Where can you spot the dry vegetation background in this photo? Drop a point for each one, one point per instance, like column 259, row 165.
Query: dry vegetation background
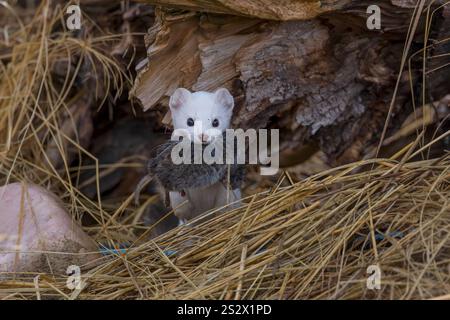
column 81, row 110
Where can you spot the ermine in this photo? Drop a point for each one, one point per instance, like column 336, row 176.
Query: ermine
column 213, row 111
column 196, row 188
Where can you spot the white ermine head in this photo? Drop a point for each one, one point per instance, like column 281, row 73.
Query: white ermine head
column 203, row 115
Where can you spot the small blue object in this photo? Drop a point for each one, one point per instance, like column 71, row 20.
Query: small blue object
column 381, row 237
column 395, row 234
column 170, row 252
column 122, row 250
column 106, row 251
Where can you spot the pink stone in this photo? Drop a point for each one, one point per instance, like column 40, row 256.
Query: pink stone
column 33, row 220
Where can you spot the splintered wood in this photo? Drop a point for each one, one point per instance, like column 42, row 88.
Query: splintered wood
column 263, row 9
column 327, row 81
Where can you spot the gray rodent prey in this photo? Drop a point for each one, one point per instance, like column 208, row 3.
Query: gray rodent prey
column 179, row 177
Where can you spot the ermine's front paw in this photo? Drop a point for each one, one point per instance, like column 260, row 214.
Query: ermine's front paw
column 182, row 222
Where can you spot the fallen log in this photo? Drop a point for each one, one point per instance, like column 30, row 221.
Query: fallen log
column 263, row 9
column 326, row 81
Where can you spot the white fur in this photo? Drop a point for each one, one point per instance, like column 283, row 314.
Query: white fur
column 203, row 108
column 199, row 200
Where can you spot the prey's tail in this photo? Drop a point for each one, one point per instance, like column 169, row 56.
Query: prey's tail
column 142, row 183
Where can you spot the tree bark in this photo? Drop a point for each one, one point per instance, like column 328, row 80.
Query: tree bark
column 326, row 81
column 263, row 9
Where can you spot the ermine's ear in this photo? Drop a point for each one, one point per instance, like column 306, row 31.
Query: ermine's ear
column 224, row 98
column 179, row 98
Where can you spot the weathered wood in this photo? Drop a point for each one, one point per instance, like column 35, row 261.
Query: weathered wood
column 325, row 81
column 263, row 9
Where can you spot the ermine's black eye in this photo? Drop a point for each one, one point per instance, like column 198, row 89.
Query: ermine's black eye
column 215, row 123
column 190, row 122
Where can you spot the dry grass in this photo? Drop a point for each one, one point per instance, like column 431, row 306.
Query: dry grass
column 310, row 240
column 314, row 239
column 35, row 103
